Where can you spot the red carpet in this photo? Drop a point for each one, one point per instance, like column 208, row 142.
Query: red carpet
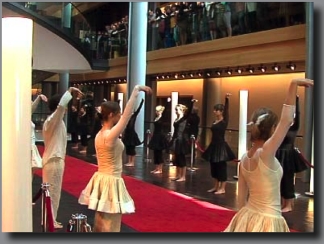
column 157, row 209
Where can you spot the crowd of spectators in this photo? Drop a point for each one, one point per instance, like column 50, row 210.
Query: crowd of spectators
column 181, row 23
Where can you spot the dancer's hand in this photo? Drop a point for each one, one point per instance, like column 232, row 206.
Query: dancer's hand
column 228, row 95
column 77, row 90
column 145, row 89
column 43, row 97
column 303, row 82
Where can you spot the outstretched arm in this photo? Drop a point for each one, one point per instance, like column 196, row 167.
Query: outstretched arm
column 226, row 106
column 58, row 114
column 120, row 126
column 37, row 100
column 139, row 107
column 287, row 115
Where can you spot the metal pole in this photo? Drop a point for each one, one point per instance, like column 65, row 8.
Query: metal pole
column 44, row 187
column 169, row 160
column 148, row 137
column 192, row 140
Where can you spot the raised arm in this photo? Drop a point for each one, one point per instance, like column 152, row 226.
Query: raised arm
column 226, row 106
column 295, row 125
column 139, row 107
column 287, row 115
column 36, row 102
column 57, row 116
column 121, row 124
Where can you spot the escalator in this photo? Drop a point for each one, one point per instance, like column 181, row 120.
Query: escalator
column 65, row 21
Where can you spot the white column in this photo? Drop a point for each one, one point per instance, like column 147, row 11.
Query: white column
column 136, row 68
column 311, row 184
column 120, row 98
column 242, row 125
column 174, row 102
column 311, row 181
column 16, row 128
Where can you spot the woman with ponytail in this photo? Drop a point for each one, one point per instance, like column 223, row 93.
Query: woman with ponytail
column 260, row 171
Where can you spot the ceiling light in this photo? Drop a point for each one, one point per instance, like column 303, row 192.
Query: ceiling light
column 250, row 69
column 291, row 66
column 276, row 67
column 239, row 70
column 262, row 68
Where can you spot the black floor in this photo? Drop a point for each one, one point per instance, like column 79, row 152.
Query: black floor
column 196, row 185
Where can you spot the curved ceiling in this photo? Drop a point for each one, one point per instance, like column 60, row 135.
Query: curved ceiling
column 52, row 53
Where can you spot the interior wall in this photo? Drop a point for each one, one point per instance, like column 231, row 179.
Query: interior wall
column 264, row 91
column 184, row 87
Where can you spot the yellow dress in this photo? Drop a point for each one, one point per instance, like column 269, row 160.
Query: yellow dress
column 106, row 191
column 262, row 212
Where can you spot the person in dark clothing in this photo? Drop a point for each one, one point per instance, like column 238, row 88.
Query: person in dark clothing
column 96, row 128
column 159, row 141
column 218, row 152
column 193, row 125
column 291, row 162
column 181, row 140
column 130, row 137
column 83, row 129
column 73, row 119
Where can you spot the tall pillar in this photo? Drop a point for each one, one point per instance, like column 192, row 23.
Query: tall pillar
column 66, row 15
column 63, row 86
column 309, row 92
column 16, row 129
column 136, row 68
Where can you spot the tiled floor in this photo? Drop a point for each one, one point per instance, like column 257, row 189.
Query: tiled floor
column 199, row 181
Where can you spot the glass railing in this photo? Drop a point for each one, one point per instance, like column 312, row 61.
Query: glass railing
column 67, row 17
column 183, row 24
column 180, row 24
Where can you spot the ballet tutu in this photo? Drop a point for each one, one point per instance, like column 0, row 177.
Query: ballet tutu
column 218, row 152
column 158, row 142
column 291, row 160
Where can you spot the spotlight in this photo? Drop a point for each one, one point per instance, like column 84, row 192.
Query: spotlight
column 276, row 67
column 125, row 80
column 291, row 66
column 239, row 70
column 262, row 68
column 250, row 69
column 157, row 77
column 107, row 81
column 218, row 72
column 167, row 76
column 191, row 75
column 208, row 74
column 229, row 71
column 199, row 74
column 176, row 76
column 183, row 75
column 162, row 76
